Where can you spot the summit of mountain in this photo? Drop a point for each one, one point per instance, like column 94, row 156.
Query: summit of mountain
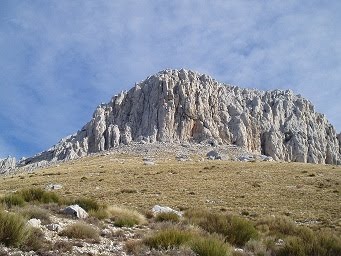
column 183, row 106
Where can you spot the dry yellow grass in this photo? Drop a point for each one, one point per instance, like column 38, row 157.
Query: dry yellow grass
column 305, row 192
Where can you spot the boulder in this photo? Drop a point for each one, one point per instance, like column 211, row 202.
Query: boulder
column 164, row 209
column 35, row 223
column 213, row 155
column 76, row 211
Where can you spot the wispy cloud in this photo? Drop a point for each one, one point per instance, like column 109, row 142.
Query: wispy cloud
column 59, row 59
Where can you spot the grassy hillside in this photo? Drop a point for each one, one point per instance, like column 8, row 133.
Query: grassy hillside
column 307, row 193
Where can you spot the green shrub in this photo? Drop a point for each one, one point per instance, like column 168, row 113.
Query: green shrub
column 328, row 244
column 13, row 200
column 208, row 246
column 240, row 231
column 87, row 204
column 38, row 195
column 236, row 230
column 81, row 231
column 168, row 238
column 123, row 217
column 167, row 216
column 37, row 213
column 293, row 246
column 12, row 229
column 279, row 225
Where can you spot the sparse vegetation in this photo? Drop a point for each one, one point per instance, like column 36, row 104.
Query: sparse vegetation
column 36, row 241
column 225, row 217
column 81, row 231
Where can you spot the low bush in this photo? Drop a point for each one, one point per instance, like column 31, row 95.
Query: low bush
column 168, row 238
column 12, row 229
column 240, row 231
column 208, row 246
column 123, row 217
column 38, row 195
column 13, row 200
column 236, row 230
column 167, row 216
column 81, row 231
column 278, row 225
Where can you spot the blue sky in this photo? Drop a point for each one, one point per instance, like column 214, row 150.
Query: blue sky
column 60, row 59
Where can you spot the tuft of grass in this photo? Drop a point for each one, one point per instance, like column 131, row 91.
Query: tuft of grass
column 12, row 229
column 13, row 200
column 100, row 214
column 208, row 246
column 123, row 217
column 87, row 204
column 37, row 213
column 81, row 231
column 168, row 238
column 167, row 216
column 38, row 195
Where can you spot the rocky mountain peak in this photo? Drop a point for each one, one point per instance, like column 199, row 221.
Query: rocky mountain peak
column 7, row 164
column 186, row 106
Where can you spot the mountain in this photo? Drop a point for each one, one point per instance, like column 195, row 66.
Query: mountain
column 185, row 106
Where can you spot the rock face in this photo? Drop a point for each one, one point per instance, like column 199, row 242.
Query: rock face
column 185, row 106
column 7, row 164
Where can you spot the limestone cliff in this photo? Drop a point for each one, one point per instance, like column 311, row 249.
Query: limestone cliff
column 185, row 106
column 7, row 164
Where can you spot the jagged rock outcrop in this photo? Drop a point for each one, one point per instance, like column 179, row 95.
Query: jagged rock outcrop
column 8, row 164
column 185, row 106
column 339, row 139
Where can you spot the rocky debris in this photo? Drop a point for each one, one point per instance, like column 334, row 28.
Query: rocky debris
column 53, row 186
column 187, row 107
column 7, row 165
column 213, row 155
column 164, row 209
column 53, row 227
column 35, row 223
column 182, row 158
column 76, row 211
column 247, row 158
